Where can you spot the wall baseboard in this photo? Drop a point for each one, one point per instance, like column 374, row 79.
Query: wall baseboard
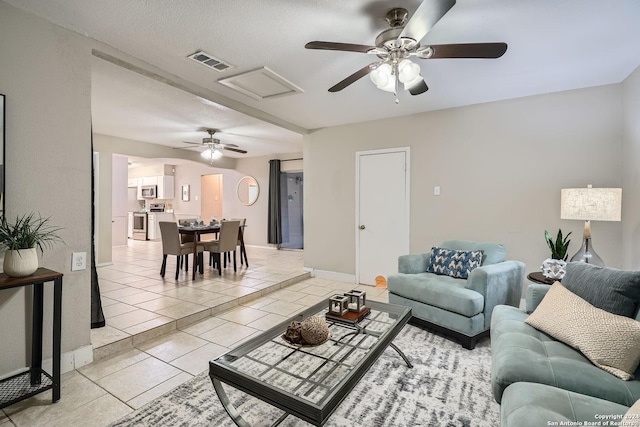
column 333, row 275
column 71, row 360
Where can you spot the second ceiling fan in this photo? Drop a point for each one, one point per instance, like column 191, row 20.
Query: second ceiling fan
column 214, row 146
column 395, row 45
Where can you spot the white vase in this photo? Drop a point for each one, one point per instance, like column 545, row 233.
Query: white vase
column 21, row 262
column 553, row 268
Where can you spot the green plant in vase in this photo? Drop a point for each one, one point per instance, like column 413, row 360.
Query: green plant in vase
column 554, row 267
column 22, row 239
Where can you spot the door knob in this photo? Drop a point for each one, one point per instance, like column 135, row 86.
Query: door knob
column 362, row 227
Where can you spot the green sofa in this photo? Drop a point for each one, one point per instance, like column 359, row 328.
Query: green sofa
column 458, row 307
column 521, row 353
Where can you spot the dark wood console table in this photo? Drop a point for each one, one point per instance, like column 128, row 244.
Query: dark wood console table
column 35, row 380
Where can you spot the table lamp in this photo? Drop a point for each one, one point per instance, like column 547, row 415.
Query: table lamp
column 590, row 204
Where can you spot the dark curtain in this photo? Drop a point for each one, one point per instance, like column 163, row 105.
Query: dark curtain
column 97, row 316
column 275, row 214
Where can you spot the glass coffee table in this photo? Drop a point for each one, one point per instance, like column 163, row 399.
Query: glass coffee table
column 304, row 381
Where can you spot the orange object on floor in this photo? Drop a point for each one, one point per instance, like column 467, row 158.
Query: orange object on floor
column 381, row 282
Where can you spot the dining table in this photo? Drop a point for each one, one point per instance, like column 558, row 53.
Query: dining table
column 197, row 230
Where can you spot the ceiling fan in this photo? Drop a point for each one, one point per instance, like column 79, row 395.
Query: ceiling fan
column 214, row 146
column 395, row 45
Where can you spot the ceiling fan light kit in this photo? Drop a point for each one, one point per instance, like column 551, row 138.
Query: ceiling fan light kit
column 395, row 45
column 214, row 147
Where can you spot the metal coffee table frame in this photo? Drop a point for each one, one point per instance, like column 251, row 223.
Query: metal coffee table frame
column 220, row 369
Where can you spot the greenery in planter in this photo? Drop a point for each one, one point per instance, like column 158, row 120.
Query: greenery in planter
column 28, row 232
column 560, row 246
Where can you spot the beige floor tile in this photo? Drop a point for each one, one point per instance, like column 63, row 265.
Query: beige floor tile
column 259, row 303
column 108, row 285
column 98, row 413
column 148, row 325
column 217, row 287
column 243, row 315
column 181, row 310
column 197, row 361
column 136, row 379
column 107, row 301
column 267, row 322
column 238, row 291
column 320, row 291
column 287, row 295
column 190, row 294
column 141, row 297
column 158, row 303
column 75, row 391
column 102, row 368
column 283, row 308
column 123, row 292
column 219, row 299
column 203, row 326
column 117, row 309
column 228, row 334
column 157, row 391
column 131, row 318
column 310, row 300
column 170, row 347
column 106, row 335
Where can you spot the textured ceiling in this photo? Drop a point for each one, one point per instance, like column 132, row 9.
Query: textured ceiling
column 554, row 45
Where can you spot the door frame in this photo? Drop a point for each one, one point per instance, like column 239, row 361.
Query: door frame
column 407, row 174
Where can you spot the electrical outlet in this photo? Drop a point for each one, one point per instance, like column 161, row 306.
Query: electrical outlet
column 436, row 190
column 78, row 261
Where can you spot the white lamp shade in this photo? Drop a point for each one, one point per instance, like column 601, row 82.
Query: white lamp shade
column 211, row 154
column 382, row 78
column 408, row 71
column 591, row 204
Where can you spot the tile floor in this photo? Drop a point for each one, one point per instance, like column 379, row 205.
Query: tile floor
column 110, row 388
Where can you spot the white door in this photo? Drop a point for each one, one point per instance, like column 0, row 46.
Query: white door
column 382, row 212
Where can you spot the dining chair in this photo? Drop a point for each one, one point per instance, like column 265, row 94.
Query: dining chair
column 227, row 242
column 243, row 251
column 171, row 245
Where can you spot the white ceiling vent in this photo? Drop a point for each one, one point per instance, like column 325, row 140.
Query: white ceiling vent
column 261, row 84
column 210, row 61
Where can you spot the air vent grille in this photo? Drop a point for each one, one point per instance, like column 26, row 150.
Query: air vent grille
column 210, row 61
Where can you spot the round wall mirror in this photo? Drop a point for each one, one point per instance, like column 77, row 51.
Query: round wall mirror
column 248, row 190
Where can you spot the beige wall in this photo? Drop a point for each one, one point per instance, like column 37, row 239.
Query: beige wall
column 45, row 73
column 500, row 167
column 631, row 168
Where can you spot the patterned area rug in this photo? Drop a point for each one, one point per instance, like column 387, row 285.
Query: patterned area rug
column 448, row 386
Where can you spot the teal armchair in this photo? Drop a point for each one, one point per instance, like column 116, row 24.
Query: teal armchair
column 460, row 308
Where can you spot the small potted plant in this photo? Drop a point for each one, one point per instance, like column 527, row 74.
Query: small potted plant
column 554, row 267
column 21, row 239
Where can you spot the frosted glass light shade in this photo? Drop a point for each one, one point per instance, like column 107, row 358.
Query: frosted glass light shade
column 211, row 154
column 408, row 71
column 591, row 204
column 383, row 78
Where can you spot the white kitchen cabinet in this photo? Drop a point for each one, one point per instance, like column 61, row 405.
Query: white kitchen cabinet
column 150, row 180
column 165, row 187
column 152, row 224
column 139, row 191
column 132, row 182
column 130, row 225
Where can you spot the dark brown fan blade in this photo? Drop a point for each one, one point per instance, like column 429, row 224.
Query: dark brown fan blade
column 226, row 144
column 419, row 88
column 237, row 150
column 425, row 17
column 352, row 78
column 469, row 50
column 346, row 47
column 193, row 144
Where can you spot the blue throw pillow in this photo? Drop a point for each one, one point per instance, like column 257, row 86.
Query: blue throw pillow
column 454, row 263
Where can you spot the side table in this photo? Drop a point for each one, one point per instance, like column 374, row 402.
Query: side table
column 538, row 277
column 35, row 380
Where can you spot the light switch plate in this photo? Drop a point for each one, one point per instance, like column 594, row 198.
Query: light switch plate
column 78, row 261
column 436, row 190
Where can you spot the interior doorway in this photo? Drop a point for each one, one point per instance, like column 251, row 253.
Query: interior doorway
column 211, row 203
column 291, row 199
column 382, row 212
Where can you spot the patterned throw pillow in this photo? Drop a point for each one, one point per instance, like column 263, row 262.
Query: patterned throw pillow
column 609, row 341
column 458, row 264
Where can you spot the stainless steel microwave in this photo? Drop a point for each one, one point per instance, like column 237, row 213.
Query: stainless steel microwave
column 149, row 191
